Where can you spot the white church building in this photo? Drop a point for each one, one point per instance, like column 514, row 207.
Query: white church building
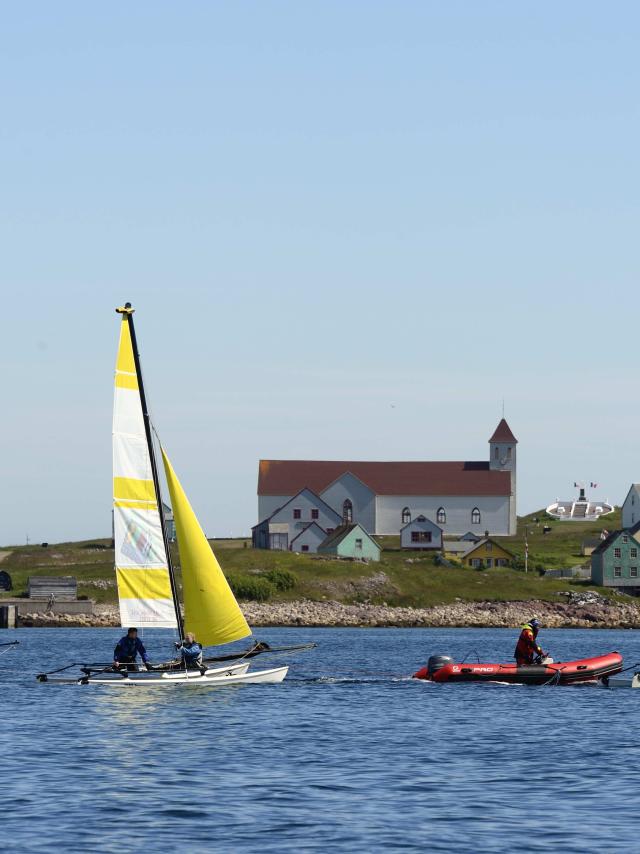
column 476, row 496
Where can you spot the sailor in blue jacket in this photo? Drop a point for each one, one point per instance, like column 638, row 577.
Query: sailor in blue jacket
column 190, row 650
column 128, row 647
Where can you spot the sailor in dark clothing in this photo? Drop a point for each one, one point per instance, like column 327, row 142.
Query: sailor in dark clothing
column 127, row 648
column 527, row 649
column 190, row 650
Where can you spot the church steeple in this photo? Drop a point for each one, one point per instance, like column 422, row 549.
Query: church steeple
column 502, row 449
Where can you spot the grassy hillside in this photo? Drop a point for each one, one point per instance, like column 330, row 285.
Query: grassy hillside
column 401, row 578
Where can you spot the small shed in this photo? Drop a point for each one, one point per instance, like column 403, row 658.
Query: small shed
column 471, row 537
column 59, row 588
column 455, row 548
column 587, row 547
column 350, row 541
column 308, row 540
column 421, row 533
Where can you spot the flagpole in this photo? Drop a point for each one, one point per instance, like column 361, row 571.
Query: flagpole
column 526, row 551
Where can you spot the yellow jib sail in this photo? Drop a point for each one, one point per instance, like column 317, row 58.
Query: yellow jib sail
column 211, row 611
column 144, row 588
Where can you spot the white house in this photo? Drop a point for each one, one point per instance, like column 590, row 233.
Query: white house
column 631, row 506
column 476, row 496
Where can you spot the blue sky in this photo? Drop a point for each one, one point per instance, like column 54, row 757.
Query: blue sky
column 350, row 231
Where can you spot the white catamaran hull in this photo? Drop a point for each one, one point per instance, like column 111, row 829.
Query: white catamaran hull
column 234, row 675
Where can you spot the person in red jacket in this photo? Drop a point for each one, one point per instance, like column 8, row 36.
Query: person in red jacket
column 527, row 648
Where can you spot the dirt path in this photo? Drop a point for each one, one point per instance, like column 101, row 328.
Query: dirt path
column 3, row 555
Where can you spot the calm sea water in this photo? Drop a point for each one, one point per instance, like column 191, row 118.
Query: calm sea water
column 346, row 755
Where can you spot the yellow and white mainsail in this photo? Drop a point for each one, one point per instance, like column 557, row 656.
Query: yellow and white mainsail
column 211, row 611
column 144, row 586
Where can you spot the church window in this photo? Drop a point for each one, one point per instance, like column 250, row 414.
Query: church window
column 347, row 512
column 406, row 516
column 495, row 453
column 475, row 516
column 441, row 517
column 508, row 453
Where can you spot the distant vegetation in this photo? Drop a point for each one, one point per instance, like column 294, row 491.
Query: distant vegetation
column 401, row 577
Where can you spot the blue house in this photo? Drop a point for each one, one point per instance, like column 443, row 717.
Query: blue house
column 421, row 533
column 284, row 526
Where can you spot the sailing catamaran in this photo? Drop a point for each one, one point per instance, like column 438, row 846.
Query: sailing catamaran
column 147, row 586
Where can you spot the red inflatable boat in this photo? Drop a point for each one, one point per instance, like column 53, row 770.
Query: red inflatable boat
column 442, row 668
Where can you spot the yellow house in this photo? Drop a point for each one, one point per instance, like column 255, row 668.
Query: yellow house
column 486, row 553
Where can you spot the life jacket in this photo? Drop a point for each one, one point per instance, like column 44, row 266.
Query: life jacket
column 526, row 646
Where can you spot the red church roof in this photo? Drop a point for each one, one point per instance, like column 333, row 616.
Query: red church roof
column 287, row 477
column 503, row 433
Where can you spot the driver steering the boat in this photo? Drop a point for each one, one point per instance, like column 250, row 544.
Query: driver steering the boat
column 190, row 650
column 527, row 649
column 127, row 648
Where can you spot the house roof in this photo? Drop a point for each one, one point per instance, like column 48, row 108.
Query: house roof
column 420, row 519
column 337, row 536
column 604, row 544
column 286, row 477
column 316, row 497
column 455, row 546
column 305, row 529
column 503, row 433
column 475, row 546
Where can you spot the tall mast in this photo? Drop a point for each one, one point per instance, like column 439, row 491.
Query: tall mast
column 128, row 312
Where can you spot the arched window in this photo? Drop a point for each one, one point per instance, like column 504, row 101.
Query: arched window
column 495, row 453
column 508, row 453
column 347, row 512
column 475, row 516
column 441, row 516
column 406, row 516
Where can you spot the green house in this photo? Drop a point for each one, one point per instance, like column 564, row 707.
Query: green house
column 350, row 541
column 615, row 562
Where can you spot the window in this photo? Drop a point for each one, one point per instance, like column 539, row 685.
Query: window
column 406, row 516
column 476, row 562
column 330, row 530
column 488, row 547
column 489, row 562
column 297, row 513
column 315, row 514
column 633, row 552
column 495, row 453
column 475, row 516
column 625, row 539
column 617, row 571
column 508, row 453
column 347, row 512
column 500, row 561
column 305, row 548
column 633, row 571
column 441, row 516
column 617, row 553
column 420, row 536
column 359, row 544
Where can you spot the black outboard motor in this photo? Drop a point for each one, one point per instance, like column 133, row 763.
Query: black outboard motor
column 435, row 662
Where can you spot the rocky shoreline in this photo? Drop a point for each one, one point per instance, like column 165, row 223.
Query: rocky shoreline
column 576, row 610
